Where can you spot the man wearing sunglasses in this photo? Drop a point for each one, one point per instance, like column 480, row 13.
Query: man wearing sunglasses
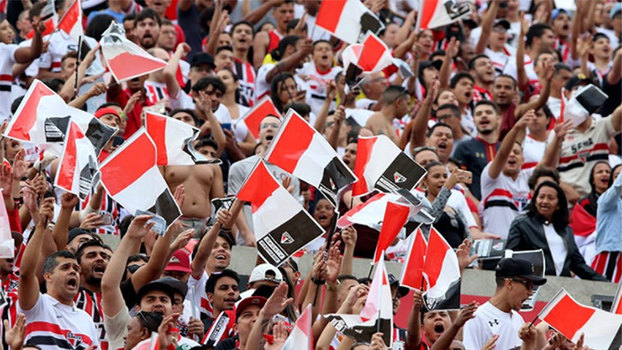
column 515, row 279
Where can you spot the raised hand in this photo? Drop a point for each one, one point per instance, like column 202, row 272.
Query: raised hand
column 562, row 129
column 349, row 236
column 377, row 343
column 277, row 302
column 20, row 167
column 180, row 195
column 14, row 337
column 6, row 179
column 333, row 263
column 279, row 336
column 463, row 253
column 526, row 119
column 466, row 313
column 182, row 239
column 139, row 227
column 92, row 221
column 69, row 200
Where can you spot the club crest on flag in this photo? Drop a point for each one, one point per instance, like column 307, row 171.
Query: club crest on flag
column 286, row 238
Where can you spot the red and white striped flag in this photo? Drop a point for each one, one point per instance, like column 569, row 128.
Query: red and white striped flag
column 253, row 117
column 71, row 22
column 368, row 213
column 395, row 217
column 616, row 306
column 381, row 165
column 303, row 152
column 572, row 319
column 125, row 59
column 412, row 272
column 281, row 225
column 173, row 140
column 78, row 163
column 438, row 13
column 301, row 337
column 131, row 177
column 375, row 55
column 442, row 274
column 348, row 20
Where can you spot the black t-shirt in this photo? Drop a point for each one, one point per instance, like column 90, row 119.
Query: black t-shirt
column 189, row 22
column 227, row 344
column 615, row 97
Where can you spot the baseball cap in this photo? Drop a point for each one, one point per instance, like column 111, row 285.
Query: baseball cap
column 249, row 301
column 401, row 291
column 617, row 8
column 556, row 12
column 177, row 285
column 512, row 267
column 265, row 272
column 426, row 64
column 202, row 58
column 504, row 23
column 180, row 261
column 159, row 285
column 579, row 79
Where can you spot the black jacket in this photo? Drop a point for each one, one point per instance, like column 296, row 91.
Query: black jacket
column 527, row 233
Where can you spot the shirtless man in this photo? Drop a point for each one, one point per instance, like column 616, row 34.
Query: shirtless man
column 395, row 105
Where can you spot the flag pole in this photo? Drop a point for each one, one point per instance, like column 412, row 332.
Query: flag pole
column 75, row 83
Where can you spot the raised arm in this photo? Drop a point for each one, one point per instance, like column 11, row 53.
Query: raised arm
column 413, row 335
column 420, row 124
column 277, row 302
column 112, row 299
column 553, row 149
column 405, row 45
column 521, row 73
column 496, row 167
column 488, row 21
column 290, row 62
column 203, row 106
column 27, row 54
column 614, row 75
column 450, row 53
column 542, row 98
column 207, row 243
column 170, row 71
column 68, row 201
column 259, row 13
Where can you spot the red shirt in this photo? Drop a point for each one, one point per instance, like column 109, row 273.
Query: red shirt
column 134, row 121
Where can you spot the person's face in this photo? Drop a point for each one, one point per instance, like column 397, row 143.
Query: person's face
column 344, row 288
column 158, row 6
column 423, row 158
column 464, row 91
column 539, row 123
column 616, row 22
column 157, row 301
column 546, row 41
column 178, row 304
column 560, row 78
column 401, row 106
column 199, row 71
column 561, row 25
column 514, row 162
column 147, row 32
column 544, row 60
column 227, row 77
column 283, row 14
column 130, row 30
column 208, row 151
column 286, row 89
column 426, row 40
column 93, row 264
column 167, row 38
column 503, row 91
column 137, row 84
column 135, row 333
column 77, row 242
column 434, row 324
column 484, row 70
column 601, row 48
column 447, row 97
column 7, row 35
column 601, row 173
column 498, row 37
column 224, row 39
column 375, row 85
column 430, row 75
column 267, row 130
column 24, row 24
column 220, row 257
column 12, row 147
column 178, row 275
column 64, row 280
column 110, row 120
column 467, row 52
column 485, row 119
column 68, row 66
column 435, row 179
column 390, row 34
column 226, row 293
column 442, row 138
column 246, row 320
column 6, row 266
column 184, row 117
column 323, row 55
column 349, row 157
column 547, row 202
column 215, row 96
column 224, row 59
column 520, row 290
column 448, row 117
column 324, row 212
column 242, row 37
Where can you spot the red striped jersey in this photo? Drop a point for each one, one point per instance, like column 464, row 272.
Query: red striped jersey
column 155, row 91
column 52, row 325
column 609, row 264
column 200, row 297
column 111, row 207
column 7, row 59
column 480, row 93
column 91, row 303
column 246, row 82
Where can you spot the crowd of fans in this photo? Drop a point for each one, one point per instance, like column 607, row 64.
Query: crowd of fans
column 483, row 113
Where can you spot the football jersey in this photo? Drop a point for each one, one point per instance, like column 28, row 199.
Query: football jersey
column 533, row 151
column 7, row 59
column 246, row 82
column 316, row 84
column 91, row 303
column 488, row 321
column 155, row 91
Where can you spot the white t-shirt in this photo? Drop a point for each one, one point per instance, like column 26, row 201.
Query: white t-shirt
column 262, row 87
column 533, row 151
column 52, row 325
column 502, row 58
column 557, row 247
column 200, row 297
column 503, row 199
column 316, row 84
column 488, row 321
column 510, row 69
column 239, row 129
column 7, row 59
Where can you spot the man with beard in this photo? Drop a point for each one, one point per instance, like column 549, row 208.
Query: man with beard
column 147, row 28
column 476, row 153
column 93, row 257
column 52, row 319
column 499, row 316
column 482, row 70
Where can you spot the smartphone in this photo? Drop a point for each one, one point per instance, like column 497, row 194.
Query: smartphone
column 226, row 126
column 106, row 218
column 468, row 176
column 117, row 141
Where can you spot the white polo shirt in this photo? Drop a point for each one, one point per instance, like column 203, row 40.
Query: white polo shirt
column 489, row 321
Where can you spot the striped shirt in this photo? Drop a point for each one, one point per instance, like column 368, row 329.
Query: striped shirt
column 246, row 82
column 91, row 303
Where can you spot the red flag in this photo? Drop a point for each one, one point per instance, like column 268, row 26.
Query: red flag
column 125, row 59
column 49, row 29
column 438, row 13
column 301, row 337
column 78, row 163
column 616, row 306
column 395, row 217
column 71, row 22
column 583, row 223
column 347, row 19
column 442, row 273
column 412, row 272
column 573, row 319
column 262, row 109
column 375, row 55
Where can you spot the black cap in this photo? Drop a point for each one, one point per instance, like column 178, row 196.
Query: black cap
column 202, row 58
column 75, row 232
column 579, row 79
column 504, row 23
column 512, row 267
column 426, row 64
column 159, row 285
column 177, row 285
column 401, row 291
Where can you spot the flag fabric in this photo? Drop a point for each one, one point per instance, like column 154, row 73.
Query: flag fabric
column 301, row 337
column 567, row 316
column 131, row 177
column 173, row 140
column 78, row 163
column 412, row 272
column 281, row 225
column 222, row 327
column 253, row 117
column 348, row 20
column 303, row 152
column 49, row 17
column 125, row 59
column 43, row 117
column 438, row 13
column 7, row 244
column 616, row 306
column 377, row 314
column 375, row 55
column 381, row 165
column 71, row 22
column 395, row 217
column 442, row 274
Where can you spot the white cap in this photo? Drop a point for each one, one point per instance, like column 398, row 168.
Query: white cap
column 265, row 272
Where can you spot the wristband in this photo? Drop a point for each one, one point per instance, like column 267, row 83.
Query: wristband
column 317, row 282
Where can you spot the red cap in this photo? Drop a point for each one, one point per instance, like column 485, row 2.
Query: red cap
column 180, row 261
column 106, row 110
